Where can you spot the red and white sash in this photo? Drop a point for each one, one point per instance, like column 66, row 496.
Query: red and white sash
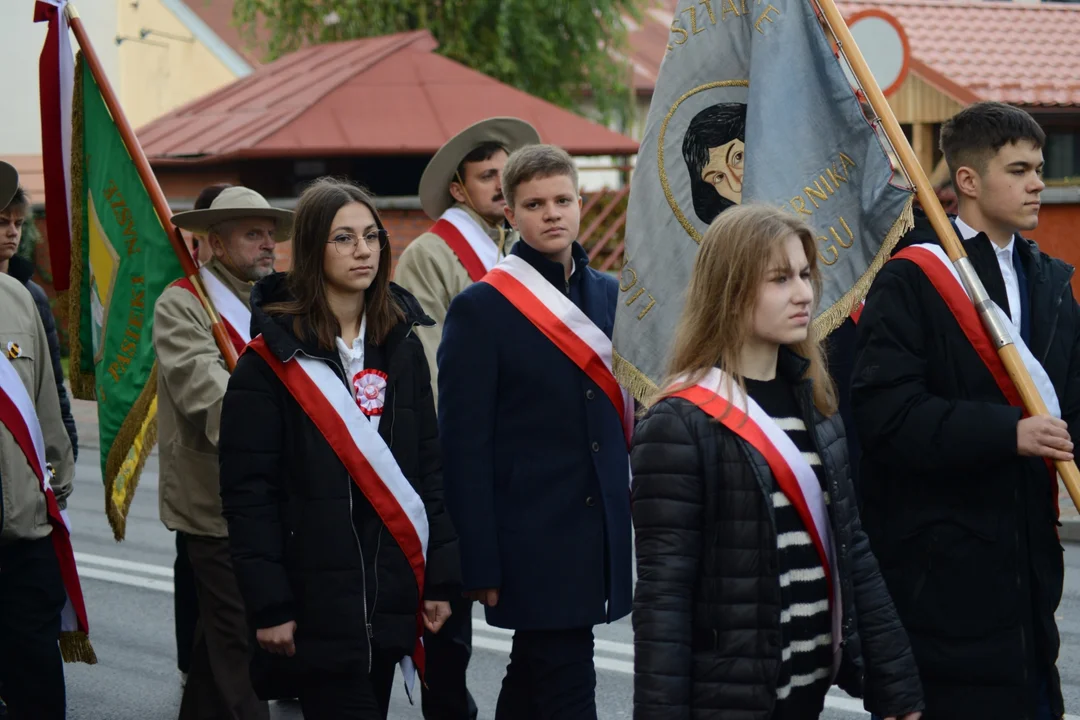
column 476, row 251
column 332, row 407
column 234, row 314
column 721, row 398
column 933, row 261
column 19, row 415
column 564, row 324
column 937, row 267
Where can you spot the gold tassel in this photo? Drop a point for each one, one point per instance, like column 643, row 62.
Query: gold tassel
column 75, row 647
column 121, row 446
column 82, row 383
column 637, row 382
column 835, row 316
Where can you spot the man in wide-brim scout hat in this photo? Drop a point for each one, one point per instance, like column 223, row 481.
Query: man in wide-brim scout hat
column 242, row 230
column 461, row 190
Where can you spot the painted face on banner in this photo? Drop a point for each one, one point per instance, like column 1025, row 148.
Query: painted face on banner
column 725, row 170
column 714, row 150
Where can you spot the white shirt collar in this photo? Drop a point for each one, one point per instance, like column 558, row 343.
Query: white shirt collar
column 967, row 232
column 356, row 352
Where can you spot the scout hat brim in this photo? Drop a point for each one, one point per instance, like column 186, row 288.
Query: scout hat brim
column 9, row 183
column 236, row 203
column 509, row 132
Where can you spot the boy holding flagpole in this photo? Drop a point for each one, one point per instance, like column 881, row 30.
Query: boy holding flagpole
column 960, row 497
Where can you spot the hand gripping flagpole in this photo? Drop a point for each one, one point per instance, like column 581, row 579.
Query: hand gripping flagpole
column 161, row 205
column 998, row 333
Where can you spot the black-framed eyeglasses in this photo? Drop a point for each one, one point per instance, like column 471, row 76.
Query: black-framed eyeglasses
column 346, row 242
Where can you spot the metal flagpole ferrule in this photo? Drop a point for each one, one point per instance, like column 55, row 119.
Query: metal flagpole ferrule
column 991, row 319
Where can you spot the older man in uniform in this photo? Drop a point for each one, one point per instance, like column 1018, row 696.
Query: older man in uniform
column 461, row 190
column 241, row 229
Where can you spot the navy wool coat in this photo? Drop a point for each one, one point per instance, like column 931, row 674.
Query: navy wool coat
column 535, row 471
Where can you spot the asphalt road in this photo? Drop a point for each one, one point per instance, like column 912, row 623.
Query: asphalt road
column 128, row 590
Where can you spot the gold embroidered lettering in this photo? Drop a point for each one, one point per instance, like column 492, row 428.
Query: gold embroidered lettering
column 708, row 8
column 694, row 29
column 676, row 29
column 799, row 205
column 835, row 255
column 765, row 16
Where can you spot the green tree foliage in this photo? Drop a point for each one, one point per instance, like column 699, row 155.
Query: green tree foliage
column 559, row 50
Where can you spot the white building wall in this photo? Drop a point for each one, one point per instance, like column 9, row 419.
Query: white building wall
column 21, row 40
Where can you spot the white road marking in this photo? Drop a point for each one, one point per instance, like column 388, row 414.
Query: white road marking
column 117, row 564
column 484, row 636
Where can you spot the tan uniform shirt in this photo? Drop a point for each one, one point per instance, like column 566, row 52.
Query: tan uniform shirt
column 430, row 270
column 192, row 378
column 24, row 515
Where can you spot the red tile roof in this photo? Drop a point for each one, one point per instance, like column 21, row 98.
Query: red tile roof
column 387, row 95
column 1016, row 52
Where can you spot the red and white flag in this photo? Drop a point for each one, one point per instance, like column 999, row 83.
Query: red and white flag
column 56, row 79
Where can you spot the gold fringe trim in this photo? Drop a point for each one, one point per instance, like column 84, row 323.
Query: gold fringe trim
column 75, row 647
column 834, row 317
column 82, row 383
column 143, row 413
column 637, row 382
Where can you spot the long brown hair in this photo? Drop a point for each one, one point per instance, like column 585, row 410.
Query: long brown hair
column 736, row 253
column 315, row 213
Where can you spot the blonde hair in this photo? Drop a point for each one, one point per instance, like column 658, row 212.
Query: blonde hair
column 736, row 252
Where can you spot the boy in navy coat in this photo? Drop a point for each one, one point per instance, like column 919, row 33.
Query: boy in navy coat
column 535, row 455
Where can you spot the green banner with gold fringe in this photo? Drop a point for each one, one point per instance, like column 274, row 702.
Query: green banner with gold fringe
column 121, row 261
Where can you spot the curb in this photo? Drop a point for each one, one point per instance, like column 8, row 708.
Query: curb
column 1069, row 532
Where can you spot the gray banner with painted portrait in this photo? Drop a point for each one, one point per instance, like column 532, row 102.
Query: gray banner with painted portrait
column 751, row 105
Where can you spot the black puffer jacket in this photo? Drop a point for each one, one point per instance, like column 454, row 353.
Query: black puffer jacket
column 707, row 603
column 304, row 545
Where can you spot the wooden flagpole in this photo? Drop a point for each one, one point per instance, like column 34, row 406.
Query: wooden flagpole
column 161, row 205
column 1010, row 356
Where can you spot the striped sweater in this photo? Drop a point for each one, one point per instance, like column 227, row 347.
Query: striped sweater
column 805, row 623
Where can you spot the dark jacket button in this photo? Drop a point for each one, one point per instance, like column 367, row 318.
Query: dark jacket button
column 589, row 394
column 596, row 447
column 590, row 501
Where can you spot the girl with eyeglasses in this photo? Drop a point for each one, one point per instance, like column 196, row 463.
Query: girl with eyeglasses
column 331, row 471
